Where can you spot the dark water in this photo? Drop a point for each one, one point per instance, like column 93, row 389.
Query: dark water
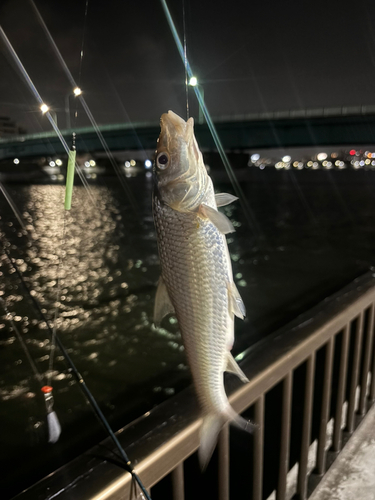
column 315, row 234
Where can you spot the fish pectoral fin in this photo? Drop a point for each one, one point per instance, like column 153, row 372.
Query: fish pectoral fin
column 223, row 199
column 218, row 219
column 163, row 304
column 236, row 305
column 233, row 367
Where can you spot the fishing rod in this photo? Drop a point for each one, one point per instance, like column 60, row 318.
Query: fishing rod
column 81, row 383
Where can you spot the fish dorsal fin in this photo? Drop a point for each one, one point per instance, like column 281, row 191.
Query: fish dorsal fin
column 218, row 219
column 223, row 199
column 236, row 305
column 163, row 304
column 233, row 367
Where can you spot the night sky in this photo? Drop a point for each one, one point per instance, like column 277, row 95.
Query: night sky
column 249, row 56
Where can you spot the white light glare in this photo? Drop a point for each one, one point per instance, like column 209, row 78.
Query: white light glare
column 132, row 163
column 58, row 162
column 322, row 156
column 148, row 164
column 44, row 108
column 193, row 81
column 52, row 164
column 16, row 161
column 255, row 157
column 92, row 163
column 77, row 91
column 127, row 164
column 87, row 164
column 286, row 158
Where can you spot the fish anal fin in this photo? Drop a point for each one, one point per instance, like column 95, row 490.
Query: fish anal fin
column 217, row 218
column 233, row 367
column 163, row 304
column 223, row 199
column 236, row 305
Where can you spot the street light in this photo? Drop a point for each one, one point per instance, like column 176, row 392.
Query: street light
column 44, row 108
column 193, row 82
column 76, row 92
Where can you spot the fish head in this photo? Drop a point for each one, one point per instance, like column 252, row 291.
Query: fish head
column 181, row 175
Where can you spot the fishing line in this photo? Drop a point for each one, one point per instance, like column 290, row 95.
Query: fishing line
column 83, row 42
column 185, row 60
column 94, row 124
column 249, row 215
column 81, row 383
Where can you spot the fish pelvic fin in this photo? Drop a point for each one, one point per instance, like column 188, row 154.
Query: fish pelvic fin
column 211, row 427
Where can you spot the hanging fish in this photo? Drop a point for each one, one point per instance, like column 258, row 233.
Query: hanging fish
column 196, row 281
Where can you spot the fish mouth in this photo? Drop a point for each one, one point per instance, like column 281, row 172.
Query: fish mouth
column 172, row 124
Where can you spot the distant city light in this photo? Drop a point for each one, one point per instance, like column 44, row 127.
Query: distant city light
column 16, row 161
column 92, row 163
column 77, row 91
column 87, row 164
column 261, row 166
column 58, row 162
column 132, row 163
column 352, row 152
column 44, row 108
column 127, row 164
column 255, row 157
column 193, row 81
column 52, row 164
column 322, row 156
column 148, row 164
column 286, row 158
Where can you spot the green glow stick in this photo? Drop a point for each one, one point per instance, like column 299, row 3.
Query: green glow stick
column 70, row 180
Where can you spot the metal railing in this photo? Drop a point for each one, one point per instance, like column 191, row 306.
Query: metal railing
column 301, row 378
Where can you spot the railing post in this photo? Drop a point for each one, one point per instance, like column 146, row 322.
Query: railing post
column 178, row 482
column 258, row 449
column 285, row 437
column 366, row 361
column 223, row 468
column 355, row 373
column 306, row 428
column 336, row 440
column 324, row 416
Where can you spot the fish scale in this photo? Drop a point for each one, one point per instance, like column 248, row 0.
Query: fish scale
column 194, row 268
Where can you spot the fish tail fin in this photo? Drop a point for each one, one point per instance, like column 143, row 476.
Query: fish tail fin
column 212, row 424
column 211, row 427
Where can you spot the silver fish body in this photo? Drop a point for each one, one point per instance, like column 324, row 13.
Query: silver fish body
column 196, row 280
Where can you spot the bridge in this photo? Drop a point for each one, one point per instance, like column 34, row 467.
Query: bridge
column 325, row 126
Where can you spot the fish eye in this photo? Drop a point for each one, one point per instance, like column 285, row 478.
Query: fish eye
column 162, row 160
